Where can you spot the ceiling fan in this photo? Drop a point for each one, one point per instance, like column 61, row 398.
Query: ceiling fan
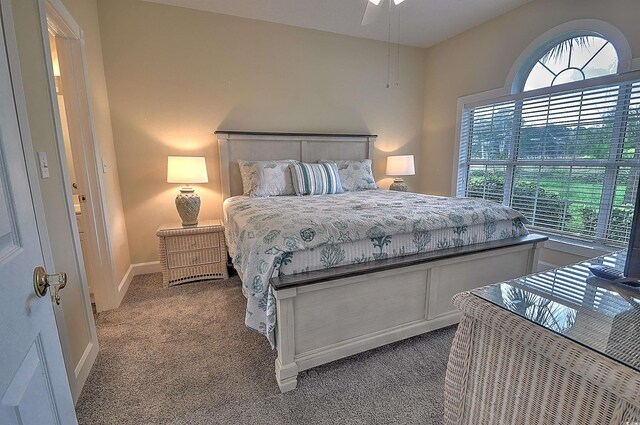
column 373, row 9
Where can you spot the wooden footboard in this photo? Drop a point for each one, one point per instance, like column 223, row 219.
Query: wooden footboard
column 327, row 315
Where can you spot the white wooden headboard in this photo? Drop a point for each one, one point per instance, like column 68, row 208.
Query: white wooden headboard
column 305, row 147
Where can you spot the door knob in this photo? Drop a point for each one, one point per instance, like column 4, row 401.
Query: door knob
column 42, row 281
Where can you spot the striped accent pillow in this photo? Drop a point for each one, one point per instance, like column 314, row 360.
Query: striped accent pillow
column 315, row 179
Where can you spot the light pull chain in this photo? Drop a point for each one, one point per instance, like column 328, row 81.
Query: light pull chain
column 389, row 47
column 397, row 47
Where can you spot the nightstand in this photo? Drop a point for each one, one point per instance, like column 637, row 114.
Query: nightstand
column 192, row 253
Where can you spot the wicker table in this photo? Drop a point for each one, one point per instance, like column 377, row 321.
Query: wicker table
column 559, row 347
column 192, row 253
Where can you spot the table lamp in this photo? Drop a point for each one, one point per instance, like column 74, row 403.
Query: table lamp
column 400, row 165
column 187, row 170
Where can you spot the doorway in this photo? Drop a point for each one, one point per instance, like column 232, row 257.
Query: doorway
column 78, row 157
column 76, row 188
column 78, row 151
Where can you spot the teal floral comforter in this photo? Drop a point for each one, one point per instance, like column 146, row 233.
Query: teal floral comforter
column 264, row 234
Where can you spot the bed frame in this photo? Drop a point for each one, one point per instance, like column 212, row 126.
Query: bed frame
column 326, row 315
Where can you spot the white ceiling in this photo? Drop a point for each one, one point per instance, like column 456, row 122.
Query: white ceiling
column 423, row 23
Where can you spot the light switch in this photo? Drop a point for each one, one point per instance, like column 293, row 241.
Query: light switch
column 44, row 165
column 105, row 168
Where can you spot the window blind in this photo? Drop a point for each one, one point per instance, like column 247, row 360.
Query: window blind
column 569, row 160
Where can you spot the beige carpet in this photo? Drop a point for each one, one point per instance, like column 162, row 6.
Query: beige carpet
column 182, row 355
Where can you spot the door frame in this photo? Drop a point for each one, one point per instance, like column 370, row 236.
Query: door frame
column 99, row 255
column 55, row 17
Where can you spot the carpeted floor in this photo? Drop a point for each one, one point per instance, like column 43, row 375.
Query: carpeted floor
column 182, row 355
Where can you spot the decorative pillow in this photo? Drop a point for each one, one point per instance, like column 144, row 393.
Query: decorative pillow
column 315, row 179
column 355, row 174
column 266, row 178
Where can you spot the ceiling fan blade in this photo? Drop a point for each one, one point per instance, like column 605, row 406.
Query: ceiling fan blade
column 372, row 11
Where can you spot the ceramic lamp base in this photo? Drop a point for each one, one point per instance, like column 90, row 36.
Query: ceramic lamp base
column 188, row 205
column 398, row 185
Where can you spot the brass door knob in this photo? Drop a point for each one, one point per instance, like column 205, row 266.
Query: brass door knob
column 42, row 281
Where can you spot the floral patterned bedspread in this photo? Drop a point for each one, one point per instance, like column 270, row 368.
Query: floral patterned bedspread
column 264, row 233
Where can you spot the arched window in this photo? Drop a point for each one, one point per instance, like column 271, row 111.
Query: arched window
column 567, row 156
column 574, row 59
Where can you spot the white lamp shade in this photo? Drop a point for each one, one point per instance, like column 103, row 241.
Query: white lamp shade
column 400, row 165
column 187, row 170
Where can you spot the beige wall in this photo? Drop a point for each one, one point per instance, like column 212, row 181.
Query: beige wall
column 480, row 59
column 176, row 75
column 85, row 12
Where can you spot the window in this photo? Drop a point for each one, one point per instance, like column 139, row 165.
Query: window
column 575, row 59
column 567, row 158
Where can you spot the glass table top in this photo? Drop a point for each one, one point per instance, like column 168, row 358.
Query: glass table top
column 570, row 301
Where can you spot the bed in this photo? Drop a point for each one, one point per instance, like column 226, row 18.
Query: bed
column 329, row 276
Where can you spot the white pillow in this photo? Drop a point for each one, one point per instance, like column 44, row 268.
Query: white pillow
column 266, row 178
column 355, row 174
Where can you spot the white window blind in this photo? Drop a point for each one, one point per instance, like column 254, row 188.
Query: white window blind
column 569, row 160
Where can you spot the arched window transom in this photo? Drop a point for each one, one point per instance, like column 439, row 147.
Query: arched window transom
column 574, row 59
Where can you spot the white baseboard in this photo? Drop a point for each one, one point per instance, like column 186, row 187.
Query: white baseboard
column 135, row 270
column 124, row 284
column 145, row 268
column 83, row 368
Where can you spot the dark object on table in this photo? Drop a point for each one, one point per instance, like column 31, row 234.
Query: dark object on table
column 607, row 273
column 614, row 276
column 628, row 281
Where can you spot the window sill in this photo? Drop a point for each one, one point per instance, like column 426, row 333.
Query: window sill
column 573, row 246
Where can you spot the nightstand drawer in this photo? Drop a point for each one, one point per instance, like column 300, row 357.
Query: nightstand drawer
column 193, row 258
column 191, row 242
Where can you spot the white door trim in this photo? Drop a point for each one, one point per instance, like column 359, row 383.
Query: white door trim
column 99, row 255
column 97, row 231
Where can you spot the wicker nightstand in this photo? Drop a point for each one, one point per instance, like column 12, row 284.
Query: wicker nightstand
column 192, row 253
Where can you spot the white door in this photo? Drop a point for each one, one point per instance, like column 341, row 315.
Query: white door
column 33, row 383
